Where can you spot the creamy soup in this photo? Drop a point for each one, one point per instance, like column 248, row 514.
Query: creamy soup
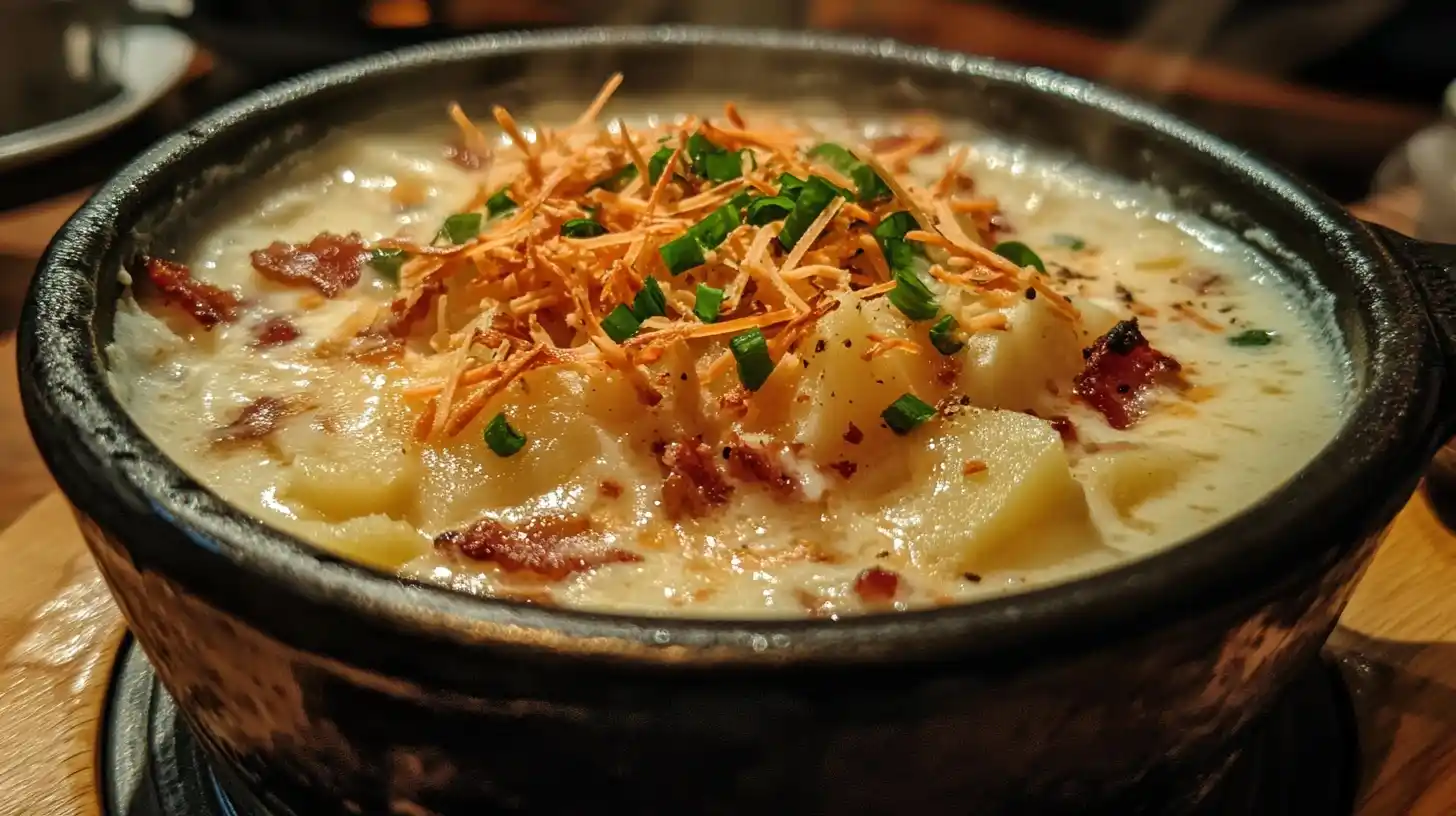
column 697, row 360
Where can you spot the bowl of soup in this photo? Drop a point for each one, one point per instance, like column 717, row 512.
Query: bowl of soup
column 681, row 419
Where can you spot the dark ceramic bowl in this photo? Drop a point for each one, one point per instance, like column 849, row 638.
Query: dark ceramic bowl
column 327, row 688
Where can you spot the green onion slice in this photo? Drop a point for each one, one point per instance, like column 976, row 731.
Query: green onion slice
column 750, row 352
column 869, row 184
column 813, row 198
column 502, row 439
column 769, row 209
column 616, row 181
column 900, row 254
column 650, row 301
column 712, row 162
column 1020, row 254
column 500, row 203
column 1071, row 242
column 387, row 261
column 912, row 297
column 1253, row 337
column 582, row 228
column 460, row 227
column 945, row 336
column 621, row 324
column 907, row 413
column 790, row 185
column 690, row 249
column 656, row 164
column 708, row 303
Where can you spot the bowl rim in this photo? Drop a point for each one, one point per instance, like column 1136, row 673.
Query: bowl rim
column 115, row 472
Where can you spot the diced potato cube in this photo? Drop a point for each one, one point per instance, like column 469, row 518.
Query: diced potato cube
column 1011, row 369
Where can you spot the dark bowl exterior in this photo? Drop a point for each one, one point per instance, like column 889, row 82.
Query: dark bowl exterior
column 330, row 689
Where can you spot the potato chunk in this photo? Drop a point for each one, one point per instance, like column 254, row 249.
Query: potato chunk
column 1022, row 509
column 1118, row 482
column 1011, row 369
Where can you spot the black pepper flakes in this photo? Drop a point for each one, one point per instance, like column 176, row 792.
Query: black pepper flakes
column 820, row 346
column 1030, row 293
column 849, row 344
column 1123, row 388
column 972, row 577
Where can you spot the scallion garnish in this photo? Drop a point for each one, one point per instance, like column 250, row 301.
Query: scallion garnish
column 750, row 352
column 769, row 209
column 460, row 227
column 582, row 228
column 500, row 203
column 387, row 262
column 712, row 162
column 900, row 254
column 616, row 181
column 1253, row 337
column 946, row 337
column 790, row 185
column 1020, row 254
column 868, row 183
column 656, row 164
column 1071, row 242
column 690, row 249
column 650, row 301
column 813, row 198
column 502, row 439
column 912, row 297
column 907, row 413
column 621, row 323
column 708, row 302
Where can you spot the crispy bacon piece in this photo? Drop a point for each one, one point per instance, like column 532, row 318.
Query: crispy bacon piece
column 854, row 435
column 550, row 546
column 876, row 585
column 844, row 468
column 330, row 263
column 462, row 157
column 403, row 315
column 694, row 484
column 206, row 303
column 257, row 419
column 275, row 331
column 610, row 488
column 1121, row 367
column 752, row 463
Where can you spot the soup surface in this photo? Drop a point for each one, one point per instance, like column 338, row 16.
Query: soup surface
column 695, row 360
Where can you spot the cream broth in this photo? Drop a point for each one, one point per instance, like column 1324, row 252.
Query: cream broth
column 352, row 431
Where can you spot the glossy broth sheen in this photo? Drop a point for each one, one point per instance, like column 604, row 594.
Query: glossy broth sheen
column 982, row 499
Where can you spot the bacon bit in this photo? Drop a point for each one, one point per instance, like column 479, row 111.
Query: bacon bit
column 876, row 585
column 257, row 419
column 549, row 546
column 610, row 488
column 751, row 463
column 275, row 331
column 329, row 262
column 1196, row 317
column 854, row 435
column 463, row 157
column 1063, row 426
column 844, row 467
column 694, row 484
column 207, row 304
column 973, row 466
column 1121, row 366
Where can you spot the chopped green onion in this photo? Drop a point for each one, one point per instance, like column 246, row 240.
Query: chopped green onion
column 682, row 253
column 387, row 261
column 907, row 413
column 582, row 228
column 750, row 352
column 1071, row 242
column 708, row 302
column 713, row 162
column 813, row 198
column 650, row 301
column 1253, row 337
column 500, row 203
column 871, row 187
column 945, row 336
column 769, row 209
column 690, row 249
column 656, row 164
column 790, row 185
column 900, row 254
column 912, row 297
column 502, row 438
column 460, row 227
column 740, row 200
column 1020, row 254
column 621, row 323
column 615, row 182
